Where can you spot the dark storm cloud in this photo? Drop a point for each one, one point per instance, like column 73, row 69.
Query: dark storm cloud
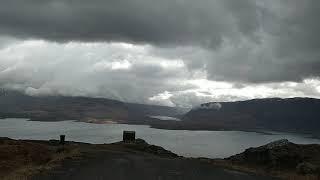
column 246, row 40
column 286, row 47
column 168, row 22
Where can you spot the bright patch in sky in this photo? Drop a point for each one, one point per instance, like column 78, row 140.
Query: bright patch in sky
column 126, row 72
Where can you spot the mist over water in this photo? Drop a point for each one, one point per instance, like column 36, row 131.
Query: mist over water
column 211, row 144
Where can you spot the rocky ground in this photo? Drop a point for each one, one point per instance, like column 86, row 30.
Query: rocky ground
column 280, row 159
column 48, row 160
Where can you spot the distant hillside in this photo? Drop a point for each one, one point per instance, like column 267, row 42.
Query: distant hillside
column 293, row 114
column 56, row 108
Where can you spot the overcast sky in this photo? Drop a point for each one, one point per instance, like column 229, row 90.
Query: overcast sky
column 168, row 52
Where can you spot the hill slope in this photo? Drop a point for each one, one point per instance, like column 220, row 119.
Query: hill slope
column 56, row 108
column 294, row 114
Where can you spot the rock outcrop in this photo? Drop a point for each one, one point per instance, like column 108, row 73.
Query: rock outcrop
column 142, row 145
column 282, row 155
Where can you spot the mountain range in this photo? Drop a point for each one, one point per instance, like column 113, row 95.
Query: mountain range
column 271, row 114
column 58, row 108
column 291, row 114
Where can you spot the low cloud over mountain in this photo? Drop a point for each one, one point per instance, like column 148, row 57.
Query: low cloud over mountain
column 170, row 52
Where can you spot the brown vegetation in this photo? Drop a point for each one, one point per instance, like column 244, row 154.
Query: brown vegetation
column 22, row 159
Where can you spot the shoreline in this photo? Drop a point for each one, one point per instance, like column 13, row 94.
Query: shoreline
column 188, row 128
column 185, row 127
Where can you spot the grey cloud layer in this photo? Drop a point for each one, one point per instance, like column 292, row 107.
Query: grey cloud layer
column 145, row 21
column 131, row 73
column 252, row 41
column 116, row 71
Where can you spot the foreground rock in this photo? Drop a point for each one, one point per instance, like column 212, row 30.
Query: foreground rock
column 280, row 158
